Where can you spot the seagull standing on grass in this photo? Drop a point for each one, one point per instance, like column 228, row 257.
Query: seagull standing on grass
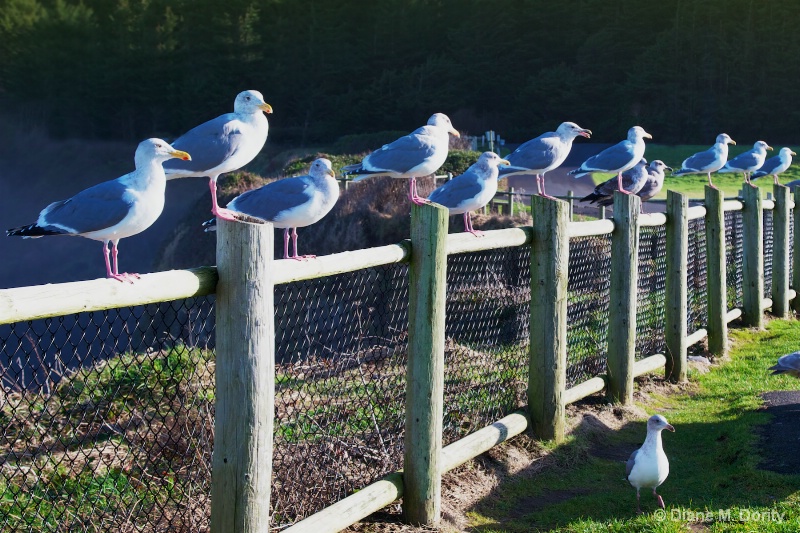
column 632, row 179
column 471, row 190
column 776, row 165
column 544, row 153
column 648, row 467
column 748, row 161
column 112, row 210
column 788, row 364
column 224, row 144
column 290, row 203
column 708, row 161
column 618, row 158
column 418, row 154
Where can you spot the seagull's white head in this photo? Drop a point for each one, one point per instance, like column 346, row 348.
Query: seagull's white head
column 762, row 146
column 320, row 168
column 443, row 121
column 250, row 102
column 570, row 130
column 724, row 138
column 157, row 150
column 659, row 166
column 492, row 160
column 786, row 154
column 637, row 133
column 658, row 423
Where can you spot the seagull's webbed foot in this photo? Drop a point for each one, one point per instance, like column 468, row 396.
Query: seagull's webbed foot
column 124, row 278
column 659, row 499
column 418, row 200
column 477, row 233
column 224, row 214
column 545, row 195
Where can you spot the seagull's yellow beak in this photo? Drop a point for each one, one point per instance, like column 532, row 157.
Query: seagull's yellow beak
column 505, row 162
column 266, row 108
column 455, row 132
column 733, row 142
column 647, row 135
column 329, row 172
column 792, row 153
column 180, row 154
column 769, row 147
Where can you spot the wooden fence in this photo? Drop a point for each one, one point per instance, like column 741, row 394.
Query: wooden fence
column 246, row 275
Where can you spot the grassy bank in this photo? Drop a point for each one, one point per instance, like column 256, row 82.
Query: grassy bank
column 714, row 484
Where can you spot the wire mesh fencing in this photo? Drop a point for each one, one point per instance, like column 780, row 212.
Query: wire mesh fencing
column 697, row 277
column 767, row 248
column 107, row 420
column 733, row 258
column 651, row 293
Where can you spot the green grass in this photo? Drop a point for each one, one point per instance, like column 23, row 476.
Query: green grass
column 713, row 459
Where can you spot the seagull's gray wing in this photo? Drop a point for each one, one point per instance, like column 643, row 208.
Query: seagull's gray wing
column 611, row 158
column 701, row 160
column 96, row 208
column 269, row 201
column 401, row 155
column 535, row 154
column 210, row 144
column 788, row 364
column 630, row 463
column 745, row 160
column 456, row 191
column 768, row 167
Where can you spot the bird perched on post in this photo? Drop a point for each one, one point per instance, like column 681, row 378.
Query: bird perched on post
column 633, row 180
column 224, row 144
column 112, row 210
column 544, row 153
column 290, row 203
column 775, row 165
column 748, row 161
column 471, row 190
column 648, row 467
column 788, row 364
column 708, row 161
column 618, row 158
column 418, row 154
column 655, row 180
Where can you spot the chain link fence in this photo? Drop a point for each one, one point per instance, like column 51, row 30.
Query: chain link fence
column 767, row 248
column 734, row 258
column 651, row 294
column 697, row 280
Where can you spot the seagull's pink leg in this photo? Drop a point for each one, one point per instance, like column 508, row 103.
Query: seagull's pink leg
column 638, row 505
column 216, row 210
column 660, row 500
column 413, row 194
column 468, row 225
column 709, row 182
column 286, row 243
column 619, row 184
column 539, row 186
column 776, row 179
column 294, row 243
column 542, row 192
column 747, row 177
column 129, row 277
column 109, row 272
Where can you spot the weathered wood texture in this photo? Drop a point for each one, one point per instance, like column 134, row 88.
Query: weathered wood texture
column 245, row 379
column 677, row 262
column 622, row 304
column 42, row 301
column 780, row 252
column 425, row 370
column 484, row 439
column 716, row 279
column 592, row 227
column 753, row 258
column 288, row 270
column 547, row 376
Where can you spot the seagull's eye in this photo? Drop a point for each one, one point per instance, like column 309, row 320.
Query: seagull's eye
column 247, row 98
column 158, row 145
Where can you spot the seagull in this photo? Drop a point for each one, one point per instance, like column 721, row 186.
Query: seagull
column 224, row 144
column 290, row 203
column 618, row 158
column 544, row 153
column 114, row 209
column 471, row 190
column 420, row 153
column 655, row 180
column 708, row 161
column 748, row 161
column 775, row 165
column 648, row 467
column 788, row 364
column 632, row 179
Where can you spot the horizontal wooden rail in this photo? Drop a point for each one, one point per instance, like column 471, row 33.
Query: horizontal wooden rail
column 483, row 440
column 42, row 301
column 766, row 303
column 768, row 204
column 696, row 337
column 582, row 390
column 288, row 270
column 652, row 219
column 591, row 228
column 698, row 211
column 732, row 315
column 458, row 243
column 732, row 205
column 649, row 364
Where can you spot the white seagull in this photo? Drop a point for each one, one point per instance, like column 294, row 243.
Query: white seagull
column 471, row 190
column 708, row 161
column 112, row 210
column 648, row 467
column 775, row 165
column 748, row 161
column 290, row 203
column 418, row 154
column 788, row 364
column 618, row 158
column 224, row 144
column 544, row 153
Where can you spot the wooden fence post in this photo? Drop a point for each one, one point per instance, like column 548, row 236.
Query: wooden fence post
column 511, row 201
column 547, row 376
column 622, row 305
column 796, row 248
column 245, row 379
column 716, row 275
column 753, row 258
column 677, row 230
column 780, row 252
column 571, row 200
column 425, row 370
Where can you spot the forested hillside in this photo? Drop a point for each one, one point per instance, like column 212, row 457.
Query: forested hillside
column 129, row 69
